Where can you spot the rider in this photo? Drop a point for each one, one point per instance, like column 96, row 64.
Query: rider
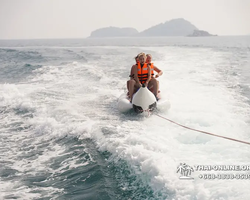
column 153, row 69
column 142, row 75
column 131, row 74
column 131, row 84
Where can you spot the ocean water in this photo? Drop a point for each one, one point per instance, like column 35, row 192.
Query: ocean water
column 62, row 137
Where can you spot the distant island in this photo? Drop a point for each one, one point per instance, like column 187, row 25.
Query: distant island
column 174, row 27
column 200, row 33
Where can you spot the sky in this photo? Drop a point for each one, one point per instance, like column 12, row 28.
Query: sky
column 37, row 19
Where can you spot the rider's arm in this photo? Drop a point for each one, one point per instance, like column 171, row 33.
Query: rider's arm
column 149, row 75
column 158, row 71
column 135, row 72
column 132, row 72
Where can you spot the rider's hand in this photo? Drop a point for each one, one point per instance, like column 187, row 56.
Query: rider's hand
column 156, row 76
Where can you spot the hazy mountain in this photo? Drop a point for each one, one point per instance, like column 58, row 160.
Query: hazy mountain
column 174, row 27
column 114, row 32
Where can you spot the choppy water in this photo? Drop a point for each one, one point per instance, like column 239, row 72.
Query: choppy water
column 61, row 136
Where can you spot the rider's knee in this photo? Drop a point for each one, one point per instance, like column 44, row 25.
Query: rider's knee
column 154, row 81
column 132, row 81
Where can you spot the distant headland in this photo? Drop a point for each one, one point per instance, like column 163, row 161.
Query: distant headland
column 200, row 33
column 174, row 27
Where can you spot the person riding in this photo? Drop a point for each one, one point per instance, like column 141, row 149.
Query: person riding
column 142, row 75
column 131, row 74
column 153, row 69
column 131, row 84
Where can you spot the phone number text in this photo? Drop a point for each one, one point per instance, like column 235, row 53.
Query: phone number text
column 224, row 176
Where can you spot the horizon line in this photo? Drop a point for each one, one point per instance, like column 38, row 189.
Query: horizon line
column 65, row 38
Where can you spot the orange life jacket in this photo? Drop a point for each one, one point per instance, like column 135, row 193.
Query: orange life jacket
column 142, row 72
column 152, row 69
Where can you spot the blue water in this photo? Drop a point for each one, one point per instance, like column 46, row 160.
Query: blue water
column 62, row 137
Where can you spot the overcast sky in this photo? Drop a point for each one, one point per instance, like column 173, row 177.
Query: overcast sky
column 31, row 19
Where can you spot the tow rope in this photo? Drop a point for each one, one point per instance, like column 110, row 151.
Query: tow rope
column 228, row 138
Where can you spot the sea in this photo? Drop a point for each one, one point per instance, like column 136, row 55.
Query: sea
column 62, row 136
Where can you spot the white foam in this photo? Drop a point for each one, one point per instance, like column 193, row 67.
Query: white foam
column 199, row 99
column 77, row 99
